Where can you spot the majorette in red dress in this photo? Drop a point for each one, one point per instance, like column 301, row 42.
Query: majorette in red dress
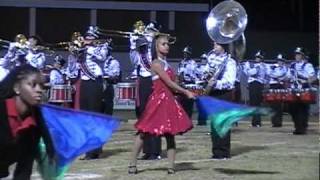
column 163, row 113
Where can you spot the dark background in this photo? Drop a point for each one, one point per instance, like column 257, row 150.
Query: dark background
column 273, row 25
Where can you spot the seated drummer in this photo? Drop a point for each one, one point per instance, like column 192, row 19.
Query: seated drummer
column 187, row 76
column 276, row 75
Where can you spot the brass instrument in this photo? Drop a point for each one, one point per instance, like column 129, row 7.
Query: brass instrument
column 139, row 30
column 21, row 39
column 225, row 24
column 48, row 51
column 5, row 41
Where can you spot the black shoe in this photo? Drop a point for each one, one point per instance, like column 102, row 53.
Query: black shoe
column 256, row 125
column 145, row 157
column 299, row 132
column 220, row 157
column 154, row 157
column 91, row 157
column 277, row 125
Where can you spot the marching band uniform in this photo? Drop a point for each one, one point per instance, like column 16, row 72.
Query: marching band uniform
column 56, row 76
column 141, row 32
column 15, row 56
column 187, row 76
column 237, row 92
column 73, row 67
column 35, row 59
column 112, row 74
column 72, row 72
column 3, row 72
column 91, row 86
column 200, row 77
column 256, row 79
column 221, row 89
column 151, row 144
column 301, row 72
column 276, row 74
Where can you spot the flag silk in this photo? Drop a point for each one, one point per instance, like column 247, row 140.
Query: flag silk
column 222, row 114
column 74, row 132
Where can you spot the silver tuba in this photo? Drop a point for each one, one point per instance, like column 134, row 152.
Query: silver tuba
column 226, row 23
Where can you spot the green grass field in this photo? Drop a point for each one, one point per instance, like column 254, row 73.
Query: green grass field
column 257, row 154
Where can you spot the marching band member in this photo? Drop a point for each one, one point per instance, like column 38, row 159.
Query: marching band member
column 76, row 50
column 91, row 86
column 16, row 53
column 187, row 76
column 56, row 75
column 139, row 30
column 34, row 57
column 15, row 56
column 147, row 32
column 111, row 76
column 3, row 72
column 301, row 72
column 256, row 79
column 276, row 75
column 221, row 85
column 237, row 92
column 200, row 77
column 152, row 144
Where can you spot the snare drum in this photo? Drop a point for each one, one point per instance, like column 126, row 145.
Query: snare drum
column 269, row 96
column 307, row 96
column 126, row 91
column 196, row 89
column 60, row 94
column 289, row 96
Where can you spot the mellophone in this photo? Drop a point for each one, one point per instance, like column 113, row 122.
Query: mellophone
column 304, row 95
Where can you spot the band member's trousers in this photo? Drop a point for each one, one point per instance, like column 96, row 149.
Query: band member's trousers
column 300, row 115
column 91, row 94
column 237, row 92
column 187, row 104
column 277, row 108
column 108, row 99
column 221, row 145
column 255, row 99
column 151, row 144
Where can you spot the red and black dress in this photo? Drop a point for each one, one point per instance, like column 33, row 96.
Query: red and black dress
column 18, row 141
column 163, row 114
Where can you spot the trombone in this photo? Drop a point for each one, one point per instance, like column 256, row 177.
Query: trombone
column 125, row 34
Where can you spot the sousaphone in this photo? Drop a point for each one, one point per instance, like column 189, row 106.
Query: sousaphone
column 226, row 24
